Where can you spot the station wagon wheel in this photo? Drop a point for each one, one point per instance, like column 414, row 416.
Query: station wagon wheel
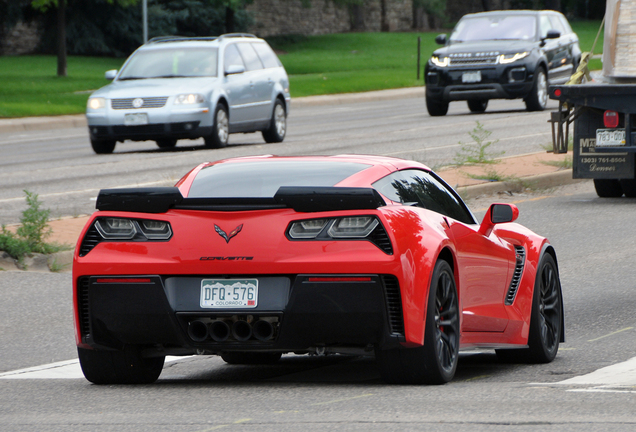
column 166, row 143
column 538, row 97
column 126, row 366
column 220, row 129
column 278, row 124
column 477, row 105
column 436, row 361
column 103, row 147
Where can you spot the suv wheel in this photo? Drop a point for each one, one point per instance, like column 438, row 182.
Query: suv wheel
column 538, row 97
column 103, row 147
column 220, row 129
column 278, row 125
column 477, row 105
column 436, row 108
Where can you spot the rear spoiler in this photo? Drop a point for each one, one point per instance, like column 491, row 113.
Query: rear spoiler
column 301, row 199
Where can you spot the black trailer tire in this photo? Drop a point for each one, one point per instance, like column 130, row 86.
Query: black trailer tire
column 538, row 97
column 436, row 108
column 119, row 367
column 477, row 105
column 608, row 188
column 628, row 186
column 436, row 361
column 250, row 358
column 103, row 147
column 277, row 129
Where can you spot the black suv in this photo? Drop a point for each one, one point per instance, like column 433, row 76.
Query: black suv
column 501, row 55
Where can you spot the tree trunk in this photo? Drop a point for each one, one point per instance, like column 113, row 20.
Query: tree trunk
column 553, row 5
column 384, row 24
column 61, row 38
column 485, row 5
column 229, row 20
column 356, row 14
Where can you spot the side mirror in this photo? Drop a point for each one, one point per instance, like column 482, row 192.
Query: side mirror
column 553, row 34
column 498, row 213
column 111, row 74
column 234, row 69
column 440, row 39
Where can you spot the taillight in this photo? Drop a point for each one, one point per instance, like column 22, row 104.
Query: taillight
column 610, row 119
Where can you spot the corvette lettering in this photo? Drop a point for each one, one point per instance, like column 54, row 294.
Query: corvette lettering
column 228, row 258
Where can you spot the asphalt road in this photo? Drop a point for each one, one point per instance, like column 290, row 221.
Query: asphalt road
column 338, row 393
column 60, row 166
column 592, row 236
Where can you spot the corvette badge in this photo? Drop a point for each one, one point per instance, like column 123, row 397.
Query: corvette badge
column 228, row 237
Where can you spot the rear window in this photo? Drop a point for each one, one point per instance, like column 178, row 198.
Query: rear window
column 262, row 179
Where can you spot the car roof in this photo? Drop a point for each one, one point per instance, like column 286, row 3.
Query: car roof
column 512, row 12
column 200, row 40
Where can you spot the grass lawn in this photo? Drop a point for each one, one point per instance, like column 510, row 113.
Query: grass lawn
column 326, row 64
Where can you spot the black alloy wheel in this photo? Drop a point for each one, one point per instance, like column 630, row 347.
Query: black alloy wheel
column 436, row 361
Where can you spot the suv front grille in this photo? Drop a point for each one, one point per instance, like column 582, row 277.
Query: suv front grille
column 473, row 61
column 149, row 102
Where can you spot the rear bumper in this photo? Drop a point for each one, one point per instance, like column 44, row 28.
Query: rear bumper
column 304, row 312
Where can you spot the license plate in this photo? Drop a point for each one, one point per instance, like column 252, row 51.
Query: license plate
column 229, row 293
column 471, row 77
column 136, row 119
column 610, row 137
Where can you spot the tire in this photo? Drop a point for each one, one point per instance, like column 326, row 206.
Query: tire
column 436, row 361
column 278, row 125
column 608, row 188
column 250, row 358
column 436, row 108
column 477, row 106
column 220, row 129
column 546, row 320
column 166, row 143
column 103, row 147
column 538, row 97
column 628, row 187
column 119, row 367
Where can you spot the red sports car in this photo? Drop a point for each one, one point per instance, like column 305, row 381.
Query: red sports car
column 251, row 258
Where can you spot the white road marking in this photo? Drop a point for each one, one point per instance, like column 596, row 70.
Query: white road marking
column 68, row 369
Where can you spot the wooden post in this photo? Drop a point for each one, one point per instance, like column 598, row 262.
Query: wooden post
column 419, row 44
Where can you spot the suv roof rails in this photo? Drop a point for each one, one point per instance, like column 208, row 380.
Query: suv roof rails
column 160, row 39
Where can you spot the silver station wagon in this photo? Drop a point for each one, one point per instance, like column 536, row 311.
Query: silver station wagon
column 175, row 88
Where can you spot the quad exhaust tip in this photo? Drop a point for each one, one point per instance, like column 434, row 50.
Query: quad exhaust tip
column 221, row 331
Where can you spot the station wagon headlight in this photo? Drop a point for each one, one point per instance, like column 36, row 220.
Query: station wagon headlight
column 96, row 103
column 189, row 99
column 440, row 62
column 511, row 58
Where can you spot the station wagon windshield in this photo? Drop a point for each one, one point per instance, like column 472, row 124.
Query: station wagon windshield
column 498, row 27
column 171, row 63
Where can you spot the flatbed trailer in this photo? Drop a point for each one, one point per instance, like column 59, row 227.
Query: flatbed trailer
column 604, row 141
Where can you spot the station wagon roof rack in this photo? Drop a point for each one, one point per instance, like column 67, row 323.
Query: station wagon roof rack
column 161, row 39
column 237, row 35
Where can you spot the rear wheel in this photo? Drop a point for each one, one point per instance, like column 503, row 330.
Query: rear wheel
column 608, row 188
column 278, row 125
column 166, row 143
column 477, row 106
column 103, row 147
column 436, row 108
column 628, row 186
column 220, row 129
column 538, row 97
column 119, row 367
column 436, row 361
column 251, row 358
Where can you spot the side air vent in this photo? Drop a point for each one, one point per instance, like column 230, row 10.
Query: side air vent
column 393, row 304
column 82, row 303
column 381, row 239
column 516, row 277
column 91, row 239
